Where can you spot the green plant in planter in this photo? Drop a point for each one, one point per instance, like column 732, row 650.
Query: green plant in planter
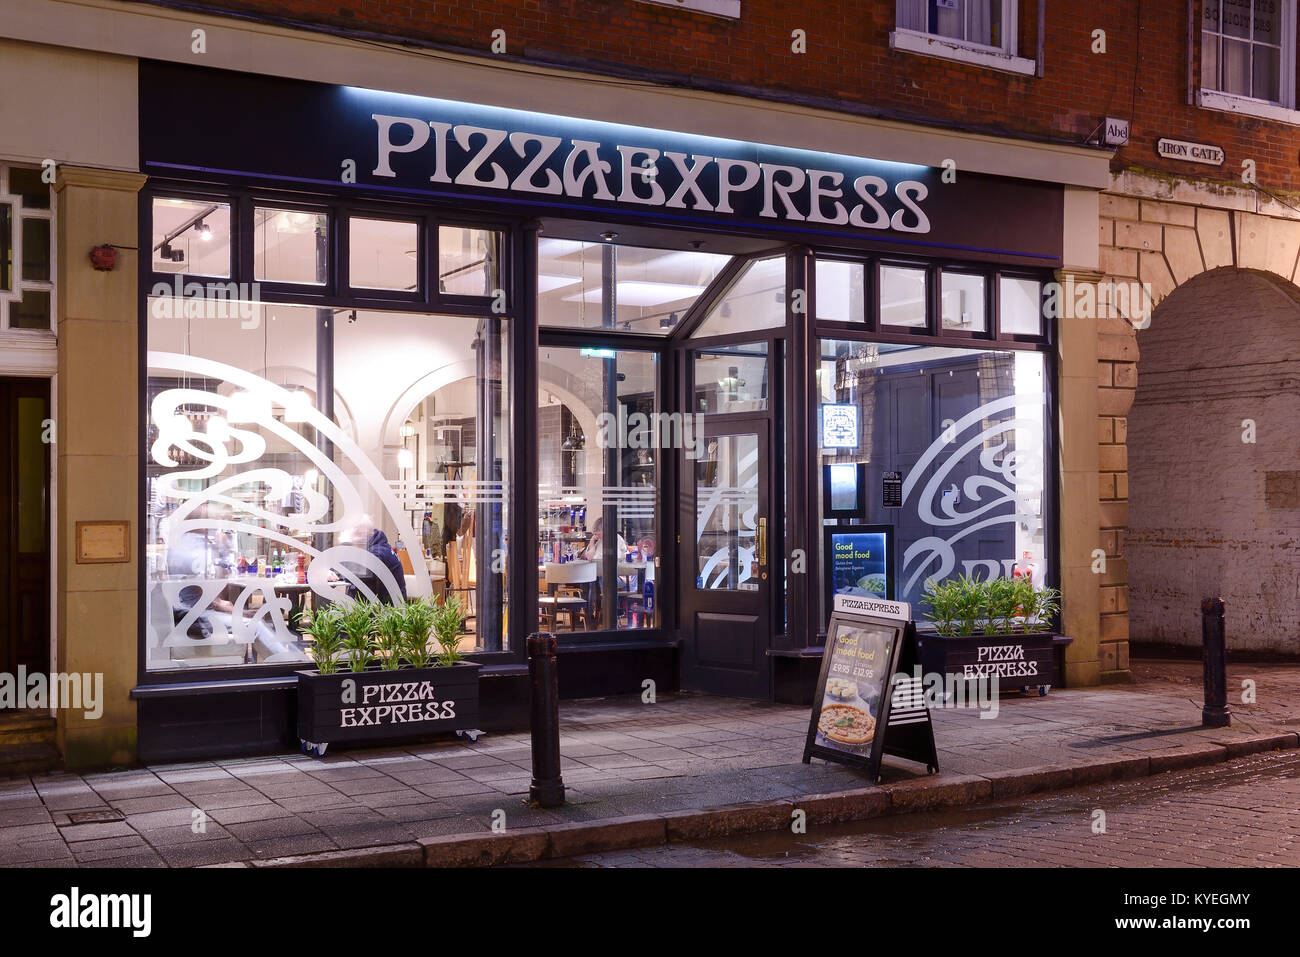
column 448, row 618
column 1041, row 606
column 970, row 604
column 941, row 600
column 390, row 636
column 324, row 629
column 417, row 621
column 356, row 620
column 1003, row 597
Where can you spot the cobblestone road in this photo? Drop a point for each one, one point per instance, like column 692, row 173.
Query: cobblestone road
column 1242, row 814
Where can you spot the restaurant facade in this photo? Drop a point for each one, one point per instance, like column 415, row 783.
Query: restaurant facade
column 660, row 372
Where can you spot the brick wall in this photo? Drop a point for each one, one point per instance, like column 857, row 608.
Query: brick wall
column 1141, row 76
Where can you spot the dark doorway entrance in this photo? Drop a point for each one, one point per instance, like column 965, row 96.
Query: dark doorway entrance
column 725, row 562
column 24, row 525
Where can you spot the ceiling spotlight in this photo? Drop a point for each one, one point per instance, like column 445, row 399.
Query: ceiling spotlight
column 696, row 243
column 205, row 231
column 669, row 322
column 609, row 236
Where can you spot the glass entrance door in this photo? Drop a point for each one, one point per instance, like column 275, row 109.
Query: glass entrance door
column 725, row 560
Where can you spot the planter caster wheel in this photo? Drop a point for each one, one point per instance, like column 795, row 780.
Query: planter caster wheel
column 1043, row 689
column 316, row 750
column 472, row 733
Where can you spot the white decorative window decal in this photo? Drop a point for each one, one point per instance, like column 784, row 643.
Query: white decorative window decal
column 187, row 617
column 1010, row 457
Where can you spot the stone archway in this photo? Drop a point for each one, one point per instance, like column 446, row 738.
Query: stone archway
column 1166, row 246
column 1214, row 464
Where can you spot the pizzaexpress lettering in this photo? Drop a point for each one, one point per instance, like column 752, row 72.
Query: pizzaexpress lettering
column 1002, row 661
column 402, row 703
column 573, row 168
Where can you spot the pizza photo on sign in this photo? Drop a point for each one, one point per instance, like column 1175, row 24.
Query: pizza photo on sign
column 844, row 724
column 852, row 691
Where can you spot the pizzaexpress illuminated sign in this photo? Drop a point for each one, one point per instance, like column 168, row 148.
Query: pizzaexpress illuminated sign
column 305, row 136
column 520, row 161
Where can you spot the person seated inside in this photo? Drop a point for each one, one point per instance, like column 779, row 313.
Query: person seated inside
column 365, row 535
column 595, row 552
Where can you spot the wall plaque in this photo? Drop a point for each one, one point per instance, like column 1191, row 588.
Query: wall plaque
column 103, row 542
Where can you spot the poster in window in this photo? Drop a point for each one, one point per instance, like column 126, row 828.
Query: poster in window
column 839, row 426
column 857, row 564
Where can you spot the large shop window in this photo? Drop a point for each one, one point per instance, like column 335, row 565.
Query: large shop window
column 300, row 455
column 966, row 428
column 598, row 474
column 26, row 244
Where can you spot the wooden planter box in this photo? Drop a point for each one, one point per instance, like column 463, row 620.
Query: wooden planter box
column 386, row 705
column 1021, row 661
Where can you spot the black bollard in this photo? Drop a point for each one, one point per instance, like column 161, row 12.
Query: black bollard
column 1215, row 714
column 547, row 789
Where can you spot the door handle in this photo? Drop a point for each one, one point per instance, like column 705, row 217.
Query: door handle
column 762, row 541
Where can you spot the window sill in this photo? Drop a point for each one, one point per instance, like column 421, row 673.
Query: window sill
column 729, row 9
column 1244, row 105
column 28, row 352
column 948, row 49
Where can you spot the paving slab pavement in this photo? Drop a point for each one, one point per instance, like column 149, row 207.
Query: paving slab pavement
column 636, row 774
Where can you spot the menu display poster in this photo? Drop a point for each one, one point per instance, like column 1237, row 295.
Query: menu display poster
column 852, row 714
column 857, row 563
column 892, row 490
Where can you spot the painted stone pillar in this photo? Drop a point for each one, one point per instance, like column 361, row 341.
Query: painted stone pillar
column 97, row 454
column 1080, row 514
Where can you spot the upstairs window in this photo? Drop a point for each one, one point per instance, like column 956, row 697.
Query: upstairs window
column 979, row 32
column 1247, row 49
column 981, row 23
column 26, row 250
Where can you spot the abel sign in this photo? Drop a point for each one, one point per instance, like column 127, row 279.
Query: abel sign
column 306, row 135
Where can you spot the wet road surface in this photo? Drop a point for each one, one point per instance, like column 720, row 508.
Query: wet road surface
column 1245, row 813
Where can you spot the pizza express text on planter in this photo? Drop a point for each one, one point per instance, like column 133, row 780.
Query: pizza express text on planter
column 379, row 705
column 1017, row 661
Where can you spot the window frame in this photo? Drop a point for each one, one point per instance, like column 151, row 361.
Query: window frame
column 336, row 290
column 933, row 329
column 1212, row 98
column 556, row 337
column 1051, row 491
column 332, row 295
column 928, row 43
column 19, row 213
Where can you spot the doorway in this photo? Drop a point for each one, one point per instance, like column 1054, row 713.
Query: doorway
column 24, row 525
column 724, row 560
